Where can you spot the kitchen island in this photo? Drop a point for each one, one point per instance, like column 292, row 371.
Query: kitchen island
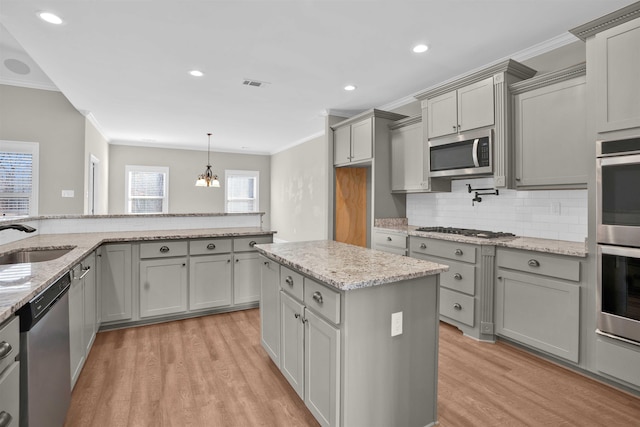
column 354, row 331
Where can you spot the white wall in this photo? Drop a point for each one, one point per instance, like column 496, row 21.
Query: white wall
column 184, row 168
column 553, row 214
column 299, row 192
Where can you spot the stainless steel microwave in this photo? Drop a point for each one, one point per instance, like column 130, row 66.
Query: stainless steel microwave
column 462, row 155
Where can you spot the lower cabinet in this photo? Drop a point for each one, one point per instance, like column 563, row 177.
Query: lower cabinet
column 270, row 308
column 163, row 286
column 209, row 281
column 10, row 373
column 115, row 282
column 83, row 323
column 538, row 301
column 246, row 278
column 292, row 342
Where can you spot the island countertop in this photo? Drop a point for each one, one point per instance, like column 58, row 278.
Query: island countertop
column 347, row 267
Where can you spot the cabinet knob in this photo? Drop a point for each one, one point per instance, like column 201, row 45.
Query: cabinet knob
column 457, row 276
column 423, row 246
column 5, row 349
column 517, row 178
column 252, row 243
column 533, row 263
column 164, row 249
column 265, row 262
column 5, row 419
column 458, row 252
column 211, row 246
column 457, row 306
column 317, row 297
column 389, row 239
column 455, row 128
column 237, row 260
column 289, row 280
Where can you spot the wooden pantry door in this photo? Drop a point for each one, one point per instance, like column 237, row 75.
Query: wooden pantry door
column 351, row 206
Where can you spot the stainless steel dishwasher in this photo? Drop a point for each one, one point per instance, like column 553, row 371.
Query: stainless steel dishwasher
column 45, row 373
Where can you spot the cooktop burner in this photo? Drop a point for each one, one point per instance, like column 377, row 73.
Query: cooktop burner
column 467, row 232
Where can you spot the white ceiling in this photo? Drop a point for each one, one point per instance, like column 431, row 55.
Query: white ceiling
column 127, row 62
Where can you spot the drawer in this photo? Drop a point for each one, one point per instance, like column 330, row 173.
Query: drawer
column 292, row 282
column 460, row 277
column 539, row 263
column 457, row 306
column 322, row 300
column 444, row 249
column 209, row 246
column 9, row 343
column 163, row 249
column 395, row 240
column 243, row 244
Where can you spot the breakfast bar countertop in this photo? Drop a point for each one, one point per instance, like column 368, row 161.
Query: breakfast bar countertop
column 347, row 267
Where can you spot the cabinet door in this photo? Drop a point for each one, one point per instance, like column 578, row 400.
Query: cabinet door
column 475, row 105
column 322, row 373
column 76, row 326
column 362, row 140
column 442, row 115
column 342, row 145
column 539, row 312
column 246, row 278
column 270, row 308
column 551, row 135
column 407, row 158
column 115, row 282
column 90, row 315
column 163, row 286
column 292, row 340
column 209, row 281
column 617, row 77
column 10, row 393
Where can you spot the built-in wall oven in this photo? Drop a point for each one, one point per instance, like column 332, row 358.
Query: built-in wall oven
column 618, row 235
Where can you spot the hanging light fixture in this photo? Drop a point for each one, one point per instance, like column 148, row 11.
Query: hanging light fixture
column 208, row 179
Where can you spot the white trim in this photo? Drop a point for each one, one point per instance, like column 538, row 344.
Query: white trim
column 92, row 119
column 244, row 173
column 179, row 146
column 299, row 142
column 159, row 169
column 29, row 85
column 32, row 148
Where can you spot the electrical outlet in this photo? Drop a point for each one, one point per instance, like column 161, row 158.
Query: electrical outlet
column 396, row 324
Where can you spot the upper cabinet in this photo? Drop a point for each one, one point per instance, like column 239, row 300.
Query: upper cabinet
column 467, row 108
column 551, row 144
column 478, row 100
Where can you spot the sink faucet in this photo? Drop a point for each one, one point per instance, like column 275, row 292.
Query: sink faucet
column 20, row 227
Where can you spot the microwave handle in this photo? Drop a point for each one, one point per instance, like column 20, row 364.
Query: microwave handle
column 475, row 152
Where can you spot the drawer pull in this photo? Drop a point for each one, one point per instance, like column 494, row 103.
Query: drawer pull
column 389, row 239
column 5, row 349
column 533, row 263
column 423, row 246
column 458, row 252
column 5, row 419
column 211, row 246
column 252, row 243
column 457, row 276
column 457, row 306
column 289, row 280
column 164, row 249
column 317, row 297
column 85, row 271
column 265, row 262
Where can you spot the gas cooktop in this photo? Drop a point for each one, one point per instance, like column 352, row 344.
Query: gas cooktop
column 484, row 234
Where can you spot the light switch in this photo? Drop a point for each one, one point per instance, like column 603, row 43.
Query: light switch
column 67, row 193
column 396, row 324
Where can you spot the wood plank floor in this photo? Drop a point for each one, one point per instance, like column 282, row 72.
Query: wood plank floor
column 212, row 371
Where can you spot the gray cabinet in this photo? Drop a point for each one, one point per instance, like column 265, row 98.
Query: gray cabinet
column 82, row 314
column 115, row 282
column 394, row 242
column 10, row 372
column 246, row 278
column 354, row 142
column 163, row 278
column 292, row 342
column 552, row 148
column 209, row 281
column 270, row 308
column 469, row 107
column 538, row 301
column 617, row 66
column 407, row 155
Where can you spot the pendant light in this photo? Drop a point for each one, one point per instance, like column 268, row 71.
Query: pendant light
column 208, row 179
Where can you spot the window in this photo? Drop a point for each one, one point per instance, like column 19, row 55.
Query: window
column 147, row 189
column 241, row 190
column 18, row 178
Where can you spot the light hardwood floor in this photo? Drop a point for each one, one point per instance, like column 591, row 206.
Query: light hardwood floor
column 212, row 371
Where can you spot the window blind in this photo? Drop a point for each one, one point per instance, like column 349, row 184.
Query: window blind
column 16, row 177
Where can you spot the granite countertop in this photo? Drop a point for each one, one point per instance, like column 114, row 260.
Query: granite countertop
column 21, row 282
column 348, row 267
column 559, row 247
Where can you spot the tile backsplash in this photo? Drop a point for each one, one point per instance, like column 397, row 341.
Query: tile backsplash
column 548, row 214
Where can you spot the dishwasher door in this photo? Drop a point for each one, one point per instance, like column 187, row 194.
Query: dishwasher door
column 45, row 371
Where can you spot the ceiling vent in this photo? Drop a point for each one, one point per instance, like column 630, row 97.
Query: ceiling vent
column 254, row 83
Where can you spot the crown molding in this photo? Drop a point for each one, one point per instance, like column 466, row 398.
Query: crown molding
column 605, row 22
column 406, row 122
column 178, row 146
column 29, row 85
column 299, row 142
column 92, row 119
column 546, row 79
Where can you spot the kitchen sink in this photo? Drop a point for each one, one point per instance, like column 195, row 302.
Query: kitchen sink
column 30, row 255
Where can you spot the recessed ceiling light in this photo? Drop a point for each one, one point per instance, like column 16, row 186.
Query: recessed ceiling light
column 420, row 48
column 50, row 18
column 196, row 73
column 349, row 87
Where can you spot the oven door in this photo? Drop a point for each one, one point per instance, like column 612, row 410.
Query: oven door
column 618, row 295
column 618, row 203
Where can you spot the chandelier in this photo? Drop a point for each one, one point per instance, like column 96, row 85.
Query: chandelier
column 208, row 179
